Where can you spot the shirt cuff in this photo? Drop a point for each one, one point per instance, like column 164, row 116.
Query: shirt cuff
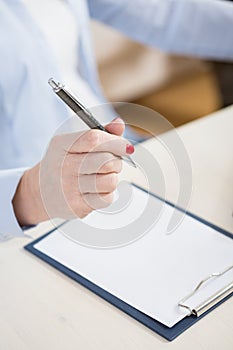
column 9, row 226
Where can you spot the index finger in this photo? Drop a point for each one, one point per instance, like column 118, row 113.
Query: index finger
column 100, row 141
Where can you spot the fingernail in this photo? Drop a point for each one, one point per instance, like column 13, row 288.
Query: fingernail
column 129, row 149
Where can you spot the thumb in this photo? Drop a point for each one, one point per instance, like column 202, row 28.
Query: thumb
column 116, row 127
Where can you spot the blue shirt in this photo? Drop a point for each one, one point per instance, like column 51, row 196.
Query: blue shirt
column 30, row 113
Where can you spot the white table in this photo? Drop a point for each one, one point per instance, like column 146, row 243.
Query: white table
column 40, row 308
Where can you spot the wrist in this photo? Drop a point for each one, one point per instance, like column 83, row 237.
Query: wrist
column 27, row 201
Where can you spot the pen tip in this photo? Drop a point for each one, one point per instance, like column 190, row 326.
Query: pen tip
column 130, row 161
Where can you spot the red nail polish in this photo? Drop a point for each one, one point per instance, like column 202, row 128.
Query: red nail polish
column 129, row 149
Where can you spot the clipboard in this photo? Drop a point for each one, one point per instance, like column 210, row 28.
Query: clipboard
column 169, row 333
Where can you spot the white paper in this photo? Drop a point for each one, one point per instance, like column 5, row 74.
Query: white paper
column 155, row 272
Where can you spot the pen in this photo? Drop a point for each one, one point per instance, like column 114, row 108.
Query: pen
column 82, row 112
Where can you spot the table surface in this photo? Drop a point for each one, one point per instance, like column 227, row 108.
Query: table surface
column 42, row 308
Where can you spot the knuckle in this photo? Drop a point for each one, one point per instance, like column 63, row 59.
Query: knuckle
column 108, row 167
column 109, row 198
column 81, row 163
column 81, row 184
column 93, row 138
column 118, row 165
column 105, row 200
column 112, row 166
column 112, row 182
column 81, row 214
column 84, row 212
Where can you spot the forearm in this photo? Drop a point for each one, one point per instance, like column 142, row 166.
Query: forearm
column 201, row 28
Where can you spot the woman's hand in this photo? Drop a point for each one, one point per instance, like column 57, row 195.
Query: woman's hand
column 77, row 175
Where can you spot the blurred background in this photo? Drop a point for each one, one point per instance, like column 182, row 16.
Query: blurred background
column 180, row 88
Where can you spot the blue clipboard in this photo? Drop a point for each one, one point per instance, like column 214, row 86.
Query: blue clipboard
column 164, row 331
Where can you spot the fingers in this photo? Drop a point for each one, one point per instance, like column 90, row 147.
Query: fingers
column 117, row 126
column 98, row 201
column 92, row 163
column 89, row 163
column 99, row 141
column 104, row 183
column 96, row 141
column 83, row 204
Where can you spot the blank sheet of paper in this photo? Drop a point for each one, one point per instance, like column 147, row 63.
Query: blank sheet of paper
column 155, row 272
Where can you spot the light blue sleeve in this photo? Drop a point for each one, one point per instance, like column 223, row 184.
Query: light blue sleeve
column 201, row 28
column 9, row 180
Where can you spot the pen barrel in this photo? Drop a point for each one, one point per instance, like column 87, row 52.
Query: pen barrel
column 80, row 110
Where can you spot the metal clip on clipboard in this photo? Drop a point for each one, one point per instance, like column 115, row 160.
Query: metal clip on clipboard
column 214, row 299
